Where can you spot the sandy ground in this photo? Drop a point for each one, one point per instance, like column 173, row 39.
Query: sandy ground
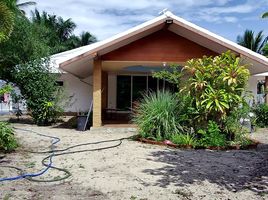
column 135, row 170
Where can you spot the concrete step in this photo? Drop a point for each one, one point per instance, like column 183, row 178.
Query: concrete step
column 113, row 130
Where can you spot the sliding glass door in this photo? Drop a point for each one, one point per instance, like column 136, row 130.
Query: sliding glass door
column 123, row 98
column 131, row 88
column 139, row 86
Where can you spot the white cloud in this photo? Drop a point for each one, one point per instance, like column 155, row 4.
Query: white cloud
column 107, row 17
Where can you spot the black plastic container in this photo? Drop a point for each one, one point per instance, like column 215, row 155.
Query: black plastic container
column 81, row 122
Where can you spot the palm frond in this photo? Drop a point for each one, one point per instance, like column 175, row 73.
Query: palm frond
column 25, row 4
column 264, row 15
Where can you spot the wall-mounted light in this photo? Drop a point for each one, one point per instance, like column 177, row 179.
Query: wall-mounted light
column 169, row 21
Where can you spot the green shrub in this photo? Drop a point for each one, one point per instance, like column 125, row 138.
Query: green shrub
column 7, row 139
column 216, row 86
column 184, row 139
column 261, row 112
column 212, row 136
column 158, row 115
column 232, row 124
column 38, row 87
column 241, row 138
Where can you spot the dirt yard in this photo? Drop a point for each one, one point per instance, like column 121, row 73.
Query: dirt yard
column 135, row 171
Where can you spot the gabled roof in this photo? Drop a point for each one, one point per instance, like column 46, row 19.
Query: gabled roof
column 68, row 60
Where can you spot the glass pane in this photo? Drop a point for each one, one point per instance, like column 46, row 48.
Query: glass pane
column 139, row 87
column 152, row 84
column 161, row 84
column 123, row 100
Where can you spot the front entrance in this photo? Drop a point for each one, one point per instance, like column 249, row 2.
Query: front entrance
column 130, row 89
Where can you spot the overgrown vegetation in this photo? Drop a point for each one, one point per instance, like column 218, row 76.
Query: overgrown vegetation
column 261, row 112
column 7, row 139
column 207, row 109
column 25, row 45
column 38, row 87
column 158, row 115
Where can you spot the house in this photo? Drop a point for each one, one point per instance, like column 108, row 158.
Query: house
column 113, row 72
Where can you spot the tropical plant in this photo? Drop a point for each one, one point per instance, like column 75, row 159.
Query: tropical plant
column 215, row 86
column 261, row 112
column 60, row 35
column 6, row 88
column 158, row 115
column 7, row 21
column 27, row 42
column 7, row 139
column 22, row 5
column 212, row 136
column 252, row 42
column 265, row 48
column 264, row 15
column 184, row 139
column 84, row 39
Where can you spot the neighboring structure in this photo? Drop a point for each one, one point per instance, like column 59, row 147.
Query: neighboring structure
column 7, row 105
column 113, row 72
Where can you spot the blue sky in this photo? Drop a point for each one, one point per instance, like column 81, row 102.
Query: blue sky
column 105, row 18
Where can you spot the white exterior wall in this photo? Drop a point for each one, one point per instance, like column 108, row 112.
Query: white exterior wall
column 78, row 92
column 252, row 86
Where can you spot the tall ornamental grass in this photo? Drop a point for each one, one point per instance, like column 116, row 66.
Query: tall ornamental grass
column 157, row 115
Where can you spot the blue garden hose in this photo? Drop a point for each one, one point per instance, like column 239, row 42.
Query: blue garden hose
column 48, row 166
column 58, row 152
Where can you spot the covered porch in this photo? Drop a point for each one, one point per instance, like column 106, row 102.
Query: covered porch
column 120, row 68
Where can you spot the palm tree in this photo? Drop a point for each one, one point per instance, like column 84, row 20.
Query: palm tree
column 7, row 21
column 8, row 11
column 63, row 28
column 17, row 7
column 86, row 38
column 252, row 42
column 264, row 15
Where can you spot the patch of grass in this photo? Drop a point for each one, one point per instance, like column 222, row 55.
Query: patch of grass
column 7, row 139
column 30, row 165
column 133, row 197
column 184, row 139
column 81, row 166
column 7, row 197
column 185, row 193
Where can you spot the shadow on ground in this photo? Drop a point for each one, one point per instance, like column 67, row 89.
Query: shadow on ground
column 235, row 170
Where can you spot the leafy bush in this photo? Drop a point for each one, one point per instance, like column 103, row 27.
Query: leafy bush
column 216, row 86
column 158, row 115
column 241, row 138
column 184, row 139
column 7, row 139
column 38, row 87
column 212, row 136
column 232, row 126
column 261, row 112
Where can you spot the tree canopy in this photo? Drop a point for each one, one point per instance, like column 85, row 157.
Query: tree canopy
column 25, row 47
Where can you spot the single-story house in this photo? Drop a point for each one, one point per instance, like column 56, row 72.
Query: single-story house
column 113, row 72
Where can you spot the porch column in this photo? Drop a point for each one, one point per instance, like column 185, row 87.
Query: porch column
column 97, row 93
column 266, row 89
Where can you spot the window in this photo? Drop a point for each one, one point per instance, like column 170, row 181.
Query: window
column 131, row 88
column 123, row 92
column 59, row 83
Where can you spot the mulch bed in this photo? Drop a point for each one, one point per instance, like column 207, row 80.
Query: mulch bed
column 230, row 147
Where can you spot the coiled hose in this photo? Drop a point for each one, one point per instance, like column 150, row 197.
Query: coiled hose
column 53, row 153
